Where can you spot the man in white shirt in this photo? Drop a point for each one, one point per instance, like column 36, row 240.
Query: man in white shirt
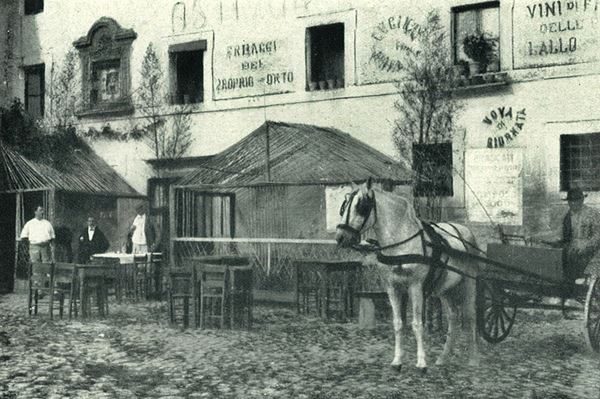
column 143, row 236
column 41, row 237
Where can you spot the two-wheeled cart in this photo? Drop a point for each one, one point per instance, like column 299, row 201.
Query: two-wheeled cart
column 526, row 277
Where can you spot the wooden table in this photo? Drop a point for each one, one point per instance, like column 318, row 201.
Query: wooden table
column 330, row 281
column 124, row 258
column 129, row 275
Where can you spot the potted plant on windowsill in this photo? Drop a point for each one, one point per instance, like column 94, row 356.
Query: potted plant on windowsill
column 480, row 49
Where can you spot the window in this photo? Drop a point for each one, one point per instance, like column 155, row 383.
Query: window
column 187, row 72
column 158, row 193
column 105, row 82
column 205, row 214
column 580, row 161
column 34, row 6
column 105, row 57
column 477, row 19
column 34, row 90
column 432, row 164
column 325, row 56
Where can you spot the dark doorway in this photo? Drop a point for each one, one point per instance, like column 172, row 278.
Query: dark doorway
column 7, row 242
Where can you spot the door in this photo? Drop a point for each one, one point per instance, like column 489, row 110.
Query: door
column 7, row 242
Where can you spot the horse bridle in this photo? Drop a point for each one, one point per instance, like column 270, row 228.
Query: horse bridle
column 364, row 208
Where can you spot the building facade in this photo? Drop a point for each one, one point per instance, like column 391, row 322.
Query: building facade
column 528, row 132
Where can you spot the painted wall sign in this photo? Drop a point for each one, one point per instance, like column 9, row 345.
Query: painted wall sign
column 504, row 124
column 252, row 67
column 494, row 185
column 387, row 32
column 555, row 32
column 334, row 196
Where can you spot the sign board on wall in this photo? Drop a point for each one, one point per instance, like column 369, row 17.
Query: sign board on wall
column 494, row 185
column 555, row 32
column 334, row 197
column 252, row 66
column 385, row 32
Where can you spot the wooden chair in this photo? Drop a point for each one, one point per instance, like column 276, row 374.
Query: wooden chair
column 308, row 285
column 91, row 285
column 213, row 294
column 180, row 295
column 154, row 275
column 140, row 279
column 240, row 296
column 63, row 286
column 40, row 286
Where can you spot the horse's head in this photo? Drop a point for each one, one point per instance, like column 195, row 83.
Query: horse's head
column 356, row 213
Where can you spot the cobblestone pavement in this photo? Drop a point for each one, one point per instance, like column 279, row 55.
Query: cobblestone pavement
column 135, row 354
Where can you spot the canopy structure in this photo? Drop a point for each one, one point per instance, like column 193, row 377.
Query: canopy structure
column 87, row 173
column 279, row 152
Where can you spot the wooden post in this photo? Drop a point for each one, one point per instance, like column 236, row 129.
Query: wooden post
column 172, row 226
column 366, row 313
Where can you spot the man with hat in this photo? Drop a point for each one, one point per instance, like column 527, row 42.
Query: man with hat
column 580, row 239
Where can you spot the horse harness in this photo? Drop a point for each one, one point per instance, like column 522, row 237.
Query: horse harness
column 439, row 268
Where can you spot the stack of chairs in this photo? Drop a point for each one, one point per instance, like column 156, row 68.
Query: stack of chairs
column 179, row 293
column 214, row 281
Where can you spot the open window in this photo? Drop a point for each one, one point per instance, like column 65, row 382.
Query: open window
column 35, row 90
column 325, row 56
column 580, row 161
column 186, row 62
column 432, row 164
column 33, row 7
column 205, row 214
column 480, row 25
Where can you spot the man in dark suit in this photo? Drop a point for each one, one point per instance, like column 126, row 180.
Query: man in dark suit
column 91, row 241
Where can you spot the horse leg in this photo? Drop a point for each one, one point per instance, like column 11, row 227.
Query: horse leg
column 416, row 297
column 470, row 315
column 451, row 313
column 397, row 300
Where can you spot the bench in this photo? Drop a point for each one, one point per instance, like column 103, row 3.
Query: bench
column 366, row 307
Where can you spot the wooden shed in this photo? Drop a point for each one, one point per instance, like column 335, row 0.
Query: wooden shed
column 89, row 187
column 275, row 196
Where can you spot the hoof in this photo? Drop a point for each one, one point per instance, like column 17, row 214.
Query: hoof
column 396, row 367
column 422, row 370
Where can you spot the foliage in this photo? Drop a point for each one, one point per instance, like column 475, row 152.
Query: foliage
column 427, row 107
column 64, row 92
column 480, row 48
column 167, row 140
column 21, row 132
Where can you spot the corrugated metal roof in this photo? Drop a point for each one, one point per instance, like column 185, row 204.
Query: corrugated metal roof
column 298, row 153
column 88, row 173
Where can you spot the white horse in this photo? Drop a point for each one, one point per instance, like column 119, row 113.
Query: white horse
column 403, row 242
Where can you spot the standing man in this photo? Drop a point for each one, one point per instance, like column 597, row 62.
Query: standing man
column 144, row 236
column 91, row 241
column 41, row 237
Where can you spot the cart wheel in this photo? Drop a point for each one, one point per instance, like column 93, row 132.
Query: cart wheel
column 592, row 315
column 495, row 314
